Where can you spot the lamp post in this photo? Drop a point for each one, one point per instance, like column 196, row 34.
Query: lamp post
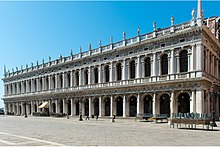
column 213, row 95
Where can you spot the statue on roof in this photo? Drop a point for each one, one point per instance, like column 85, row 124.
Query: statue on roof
column 71, row 52
column 111, row 39
column 124, row 35
column 154, row 26
column 49, row 58
column 100, row 43
column 193, row 14
column 172, row 21
column 138, row 31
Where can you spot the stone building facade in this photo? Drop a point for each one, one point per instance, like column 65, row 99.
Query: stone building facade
column 162, row 72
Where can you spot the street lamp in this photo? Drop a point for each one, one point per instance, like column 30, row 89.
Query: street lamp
column 25, row 110
column 80, row 112
column 213, row 95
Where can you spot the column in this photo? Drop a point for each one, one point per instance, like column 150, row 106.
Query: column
column 199, row 61
column 100, row 106
column 100, row 73
column 43, row 84
column 18, row 110
column 32, row 107
column 124, row 70
column 217, row 68
column 56, row 81
column 111, row 72
column 177, row 64
column 90, row 107
column 56, row 103
column 72, row 108
column 124, row 106
column 49, row 82
column 111, row 107
column 22, row 108
column 154, row 104
column 83, row 108
column 138, row 68
column 199, row 101
column 80, row 77
column 71, row 81
column 172, row 104
column 13, row 108
column 192, row 60
column 138, row 105
column 64, row 106
column 159, row 66
column 6, row 108
column 89, row 76
column 172, row 61
column 193, row 102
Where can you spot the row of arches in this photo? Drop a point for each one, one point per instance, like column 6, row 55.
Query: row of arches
column 164, row 104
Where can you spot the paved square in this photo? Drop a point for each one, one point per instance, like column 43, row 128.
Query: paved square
column 43, row 131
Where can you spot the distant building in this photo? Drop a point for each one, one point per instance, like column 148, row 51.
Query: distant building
column 165, row 71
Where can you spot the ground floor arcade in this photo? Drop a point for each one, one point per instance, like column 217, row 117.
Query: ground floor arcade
column 123, row 105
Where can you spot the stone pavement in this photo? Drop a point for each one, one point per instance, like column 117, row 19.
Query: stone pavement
column 43, row 131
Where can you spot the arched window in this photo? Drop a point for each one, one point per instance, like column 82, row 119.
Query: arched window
column 61, row 80
column 183, row 61
column 147, row 67
column 86, row 77
column 77, row 78
column 68, row 80
column 25, row 86
column 96, row 75
column 53, row 82
column 118, row 71
column 164, row 64
column 29, row 85
column 41, row 84
column 132, row 69
column 107, row 73
column 47, row 83
column 35, row 85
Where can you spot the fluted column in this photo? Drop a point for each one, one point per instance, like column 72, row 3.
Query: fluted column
column 71, row 81
column 172, row 61
column 193, row 102
column 154, row 103
column 56, row 81
column 56, row 103
column 64, row 106
column 49, row 82
column 199, row 101
column 172, row 104
column 153, row 65
column 124, row 70
column 138, row 104
column 111, row 72
column 138, row 68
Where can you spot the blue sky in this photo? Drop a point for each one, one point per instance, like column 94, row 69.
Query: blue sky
column 31, row 31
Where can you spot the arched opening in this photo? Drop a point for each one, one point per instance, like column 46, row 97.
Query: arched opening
column 118, row 71
column 47, row 83
column 25, row 87
column 77, row 78
column 147, row 67
column 77, row 107
column 183, row 60
column 60, row 80
column 35, row 85
column 107, row 106
column 164, row 64
column 119, row 105
column 53, row 107
column 132, row 69
column 61, row 106
column 15, row 112
column 96, row 75
column 40, row 84
column 165, row 104
column 148, row 101
column 68, row 79
column 19, row 109
column 53, row 82
column 68, row 107
column 133, row 106
column 107, row 73
column 86, row 107
column 86, row 77
column 35, row 107
column 29, row 106
column 40, row 108
column 184, row 103
column 96, row 106
column 29, row 85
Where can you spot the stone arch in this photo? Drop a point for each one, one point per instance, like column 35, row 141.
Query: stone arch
column 147, row 66
column 61, row 106
column 107, row 73
column 119, row 105
column 164, row 63
column 165, row 104
column 148, row 103
column 183, row 60
column 107, row 105
column 132, row 106
column 132, row 68
column 183, row 103
column 68, row 102
column 86, row 106
column 118, row 71
column 96, row 106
